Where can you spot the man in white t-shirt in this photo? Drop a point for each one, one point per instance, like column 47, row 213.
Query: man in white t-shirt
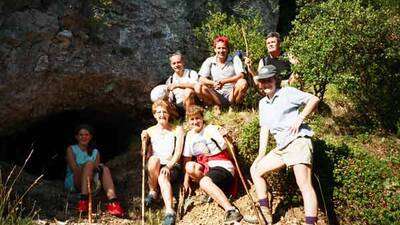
column 184, row 84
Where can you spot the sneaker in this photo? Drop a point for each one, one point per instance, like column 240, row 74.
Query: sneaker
column 83, row 206
column 149, row 200
column 232, row 216
column 169, row 219
column 253, row 218
column 115, row 209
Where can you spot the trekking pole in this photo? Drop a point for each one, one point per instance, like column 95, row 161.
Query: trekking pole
column 181, row 201
column 90, row 200
column 144, row 151
column 261, row 218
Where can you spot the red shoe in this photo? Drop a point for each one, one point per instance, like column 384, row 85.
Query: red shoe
column 115, row 209
column 83, row 206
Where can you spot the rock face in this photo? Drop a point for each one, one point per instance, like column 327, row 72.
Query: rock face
column 105, row 54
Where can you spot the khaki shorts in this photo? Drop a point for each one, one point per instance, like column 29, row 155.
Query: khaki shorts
column 299, row 151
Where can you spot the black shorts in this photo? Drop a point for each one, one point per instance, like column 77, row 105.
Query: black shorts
column 220, row 177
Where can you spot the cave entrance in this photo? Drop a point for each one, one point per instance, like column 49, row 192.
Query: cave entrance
column 50, row 136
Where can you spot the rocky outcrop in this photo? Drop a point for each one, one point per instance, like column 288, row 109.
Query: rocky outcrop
column 73, row 54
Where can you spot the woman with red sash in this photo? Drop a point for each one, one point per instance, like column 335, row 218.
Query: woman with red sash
column 213, row 168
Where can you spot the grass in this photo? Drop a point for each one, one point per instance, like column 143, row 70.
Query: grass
column 11, row 208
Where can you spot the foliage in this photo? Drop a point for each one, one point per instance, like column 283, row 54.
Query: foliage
column 249, row 23
column 248, row 140
column 354, row 46
column 367, row 190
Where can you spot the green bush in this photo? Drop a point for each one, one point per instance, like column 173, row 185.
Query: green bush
column 219, row 23
column 355, row 46
column 359, row 187
column 366, row 191
column 248, row 141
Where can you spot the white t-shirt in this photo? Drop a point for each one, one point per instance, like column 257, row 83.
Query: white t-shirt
column 189, row 76
column 209, row 142
column 162, row 143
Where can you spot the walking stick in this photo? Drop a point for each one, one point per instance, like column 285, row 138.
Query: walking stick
column 90, row 200
column 144, row 152
column 181, row 200
column 261, row 218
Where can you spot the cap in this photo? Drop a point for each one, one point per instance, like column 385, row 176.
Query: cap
column 266, row 72
column 159, row 93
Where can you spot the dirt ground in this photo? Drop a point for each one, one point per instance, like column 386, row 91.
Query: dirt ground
column 55, row 207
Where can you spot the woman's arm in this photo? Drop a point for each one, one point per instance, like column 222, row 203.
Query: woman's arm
column 97, row 161
column 71, row 161
column 178, row 147
column 308, row 108
column 186, row 180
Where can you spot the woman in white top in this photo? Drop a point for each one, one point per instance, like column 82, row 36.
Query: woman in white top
column 213, row 168
column 164, row 153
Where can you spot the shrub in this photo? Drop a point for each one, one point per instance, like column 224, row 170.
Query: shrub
column 360, row 188
column 354, row 46
column 366, row 190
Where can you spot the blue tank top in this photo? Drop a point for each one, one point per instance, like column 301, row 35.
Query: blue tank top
column 81, row 157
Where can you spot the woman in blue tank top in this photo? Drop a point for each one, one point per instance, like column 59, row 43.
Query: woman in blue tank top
column 83, row 161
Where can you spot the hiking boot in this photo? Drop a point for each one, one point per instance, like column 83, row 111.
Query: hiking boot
column 115, row 209
column 169, row 219
column 232, row 216
column 83, row 206
column 149, row 200
column 253, row 218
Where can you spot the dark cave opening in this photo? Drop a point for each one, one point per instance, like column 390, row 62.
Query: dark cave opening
column 50, row 136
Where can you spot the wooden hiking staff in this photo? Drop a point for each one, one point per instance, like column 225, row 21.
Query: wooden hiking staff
column 261, row 218
column 181, row 200
column 144, row 151
column 89, row 186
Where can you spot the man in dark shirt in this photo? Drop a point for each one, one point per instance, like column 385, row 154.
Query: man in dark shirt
column 277, row 58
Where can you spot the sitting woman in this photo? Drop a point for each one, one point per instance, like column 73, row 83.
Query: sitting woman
column 84, row 162
column 165, row 151
column 213, row 169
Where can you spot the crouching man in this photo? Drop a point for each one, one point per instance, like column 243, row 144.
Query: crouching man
column 212, row 169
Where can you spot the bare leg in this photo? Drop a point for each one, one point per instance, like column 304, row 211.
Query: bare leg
column 303, row 174
column 215, row 192
column 78, row 180
column 194, row 171
column 87, row 171
column 207, row 95
column 238, row 91
column 166, row 192
column 108, row 184
column 188, row 98
column 153, row 166
column 268, row 163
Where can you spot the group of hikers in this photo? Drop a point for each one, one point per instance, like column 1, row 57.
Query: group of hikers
column 201, row 154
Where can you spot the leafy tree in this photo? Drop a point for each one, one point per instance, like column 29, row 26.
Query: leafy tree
column 354, row 46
